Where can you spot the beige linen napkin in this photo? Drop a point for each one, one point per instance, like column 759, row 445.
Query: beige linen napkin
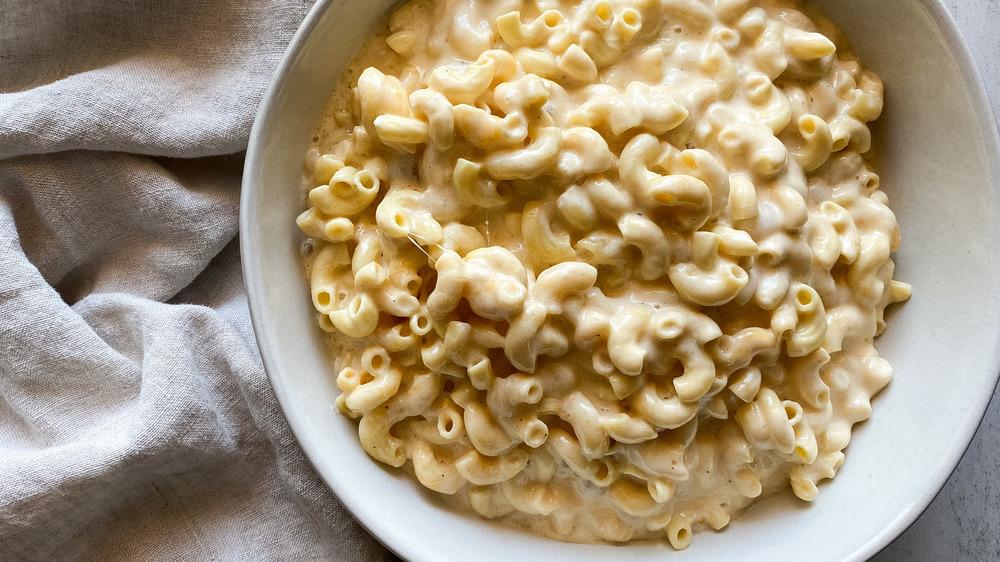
column 136, row 421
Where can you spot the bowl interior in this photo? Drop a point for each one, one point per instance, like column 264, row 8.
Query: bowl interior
column 938, row 150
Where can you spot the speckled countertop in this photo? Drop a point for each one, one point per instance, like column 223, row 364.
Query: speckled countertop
column 963, row 523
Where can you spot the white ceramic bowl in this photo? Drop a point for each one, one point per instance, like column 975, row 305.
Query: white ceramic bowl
column 939, row 165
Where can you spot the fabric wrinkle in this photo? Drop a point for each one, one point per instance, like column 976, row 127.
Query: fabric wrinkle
column 136, row 420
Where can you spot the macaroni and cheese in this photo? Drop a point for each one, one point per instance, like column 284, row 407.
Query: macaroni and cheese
column 607, row 269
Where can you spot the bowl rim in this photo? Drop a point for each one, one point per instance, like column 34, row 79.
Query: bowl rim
column 982, row 108
column 947, row 25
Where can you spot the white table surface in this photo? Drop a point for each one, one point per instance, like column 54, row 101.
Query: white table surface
column 963, row 523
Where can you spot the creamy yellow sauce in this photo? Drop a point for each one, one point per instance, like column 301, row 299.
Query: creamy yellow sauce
column 608, row 270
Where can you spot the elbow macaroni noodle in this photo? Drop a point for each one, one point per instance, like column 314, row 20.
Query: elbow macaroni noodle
column 607, row 269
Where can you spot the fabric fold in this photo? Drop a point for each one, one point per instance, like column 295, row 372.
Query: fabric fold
column 136, row 420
